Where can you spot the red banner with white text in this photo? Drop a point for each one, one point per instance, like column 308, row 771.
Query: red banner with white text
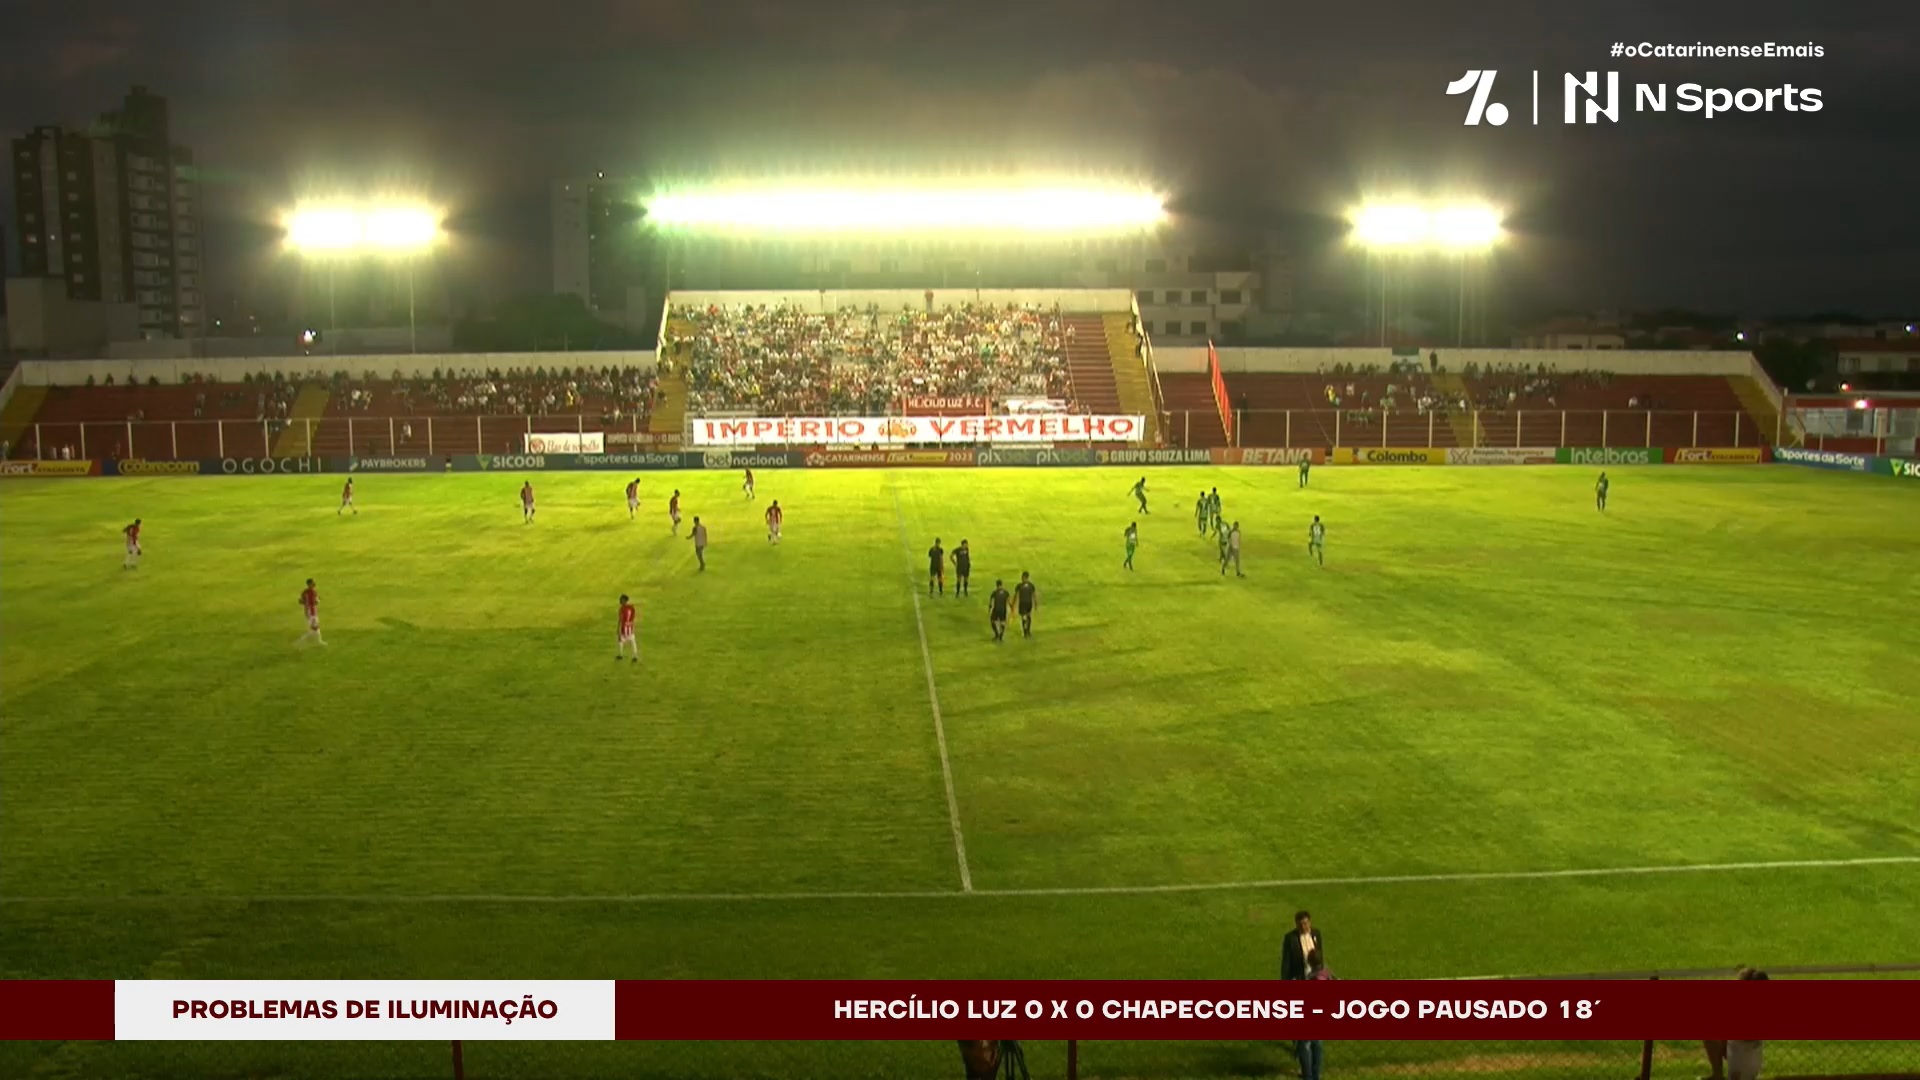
column 532, row 1010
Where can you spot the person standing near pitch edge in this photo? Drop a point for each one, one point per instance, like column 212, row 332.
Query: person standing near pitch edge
column 1300, row 945
column 1600, row 494
column 1306, row 467
column 699, row 538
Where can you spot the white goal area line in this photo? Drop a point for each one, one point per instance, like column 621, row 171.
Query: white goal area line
column 962, row 894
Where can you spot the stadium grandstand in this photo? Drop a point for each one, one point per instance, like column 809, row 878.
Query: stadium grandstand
column 895, row 352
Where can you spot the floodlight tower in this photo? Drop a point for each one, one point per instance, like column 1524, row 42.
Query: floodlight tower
column 403, row 232
column 1464, row 232
column 1460, row 231
column 1387, row 230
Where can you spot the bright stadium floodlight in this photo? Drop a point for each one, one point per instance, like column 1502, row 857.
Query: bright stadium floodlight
column 334, row 232
column 1391, row 227
column 323, row 230
column 1456, row 229
column 399, row 230
column 392, row 230
column 1054, row 208
column 1463, row 229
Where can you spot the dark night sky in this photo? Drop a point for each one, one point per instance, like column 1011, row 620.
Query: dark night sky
column 1261, row 111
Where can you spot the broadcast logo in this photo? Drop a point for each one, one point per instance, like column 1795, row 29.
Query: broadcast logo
column 1480, row 83
column 1599, row 93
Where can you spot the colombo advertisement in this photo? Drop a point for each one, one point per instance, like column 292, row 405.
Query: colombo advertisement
column 1388, row 455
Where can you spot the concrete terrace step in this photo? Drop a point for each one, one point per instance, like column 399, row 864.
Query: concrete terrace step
column 310, row 405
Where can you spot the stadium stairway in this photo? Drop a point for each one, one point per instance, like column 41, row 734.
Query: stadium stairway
column 1130, row 372
column 1759, row 407
column 1089, row 367
column 294, row 438
column 669, row 416
column 1453, row 387
column 21, row 408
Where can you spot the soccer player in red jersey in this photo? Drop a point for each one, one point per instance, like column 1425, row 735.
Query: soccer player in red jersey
column 133, row 546
column 748, row 486
column 775, row 516
column 633, row 498
column 526, row 503
column 310, row 603
column 346, row 499
column 673, row 511
column 628, row 616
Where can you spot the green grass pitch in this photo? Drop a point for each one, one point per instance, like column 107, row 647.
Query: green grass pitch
column 1487, row 678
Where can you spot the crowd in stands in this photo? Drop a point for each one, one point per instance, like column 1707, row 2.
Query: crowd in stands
column 1487, row 388
column 615, row 392
column 786, row 361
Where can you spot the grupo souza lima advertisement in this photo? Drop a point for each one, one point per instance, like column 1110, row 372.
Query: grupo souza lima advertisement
column 917, row 430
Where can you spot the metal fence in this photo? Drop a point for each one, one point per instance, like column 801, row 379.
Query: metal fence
column 369, row 436
column 342, row 436
column 1305, row 428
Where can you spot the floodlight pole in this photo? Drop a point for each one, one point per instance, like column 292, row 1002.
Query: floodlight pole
column 1460, row 315
column 413, row 332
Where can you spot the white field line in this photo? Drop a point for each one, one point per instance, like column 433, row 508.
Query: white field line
column 951, row 894
column 933, row 699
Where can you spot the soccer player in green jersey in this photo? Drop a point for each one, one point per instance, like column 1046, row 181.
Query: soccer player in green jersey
column 1317, row 541
column 1200, row 513
column 1140, row 493
column 1213, row 509
column 1600, row 494
column 1306, row 467
column 1133, row 541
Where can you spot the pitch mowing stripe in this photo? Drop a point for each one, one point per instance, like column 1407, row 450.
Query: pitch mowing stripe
column 933, row 699
column 951, row 894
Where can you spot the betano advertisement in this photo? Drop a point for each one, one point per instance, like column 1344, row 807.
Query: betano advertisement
column 1253, row 455
column 916, row 430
